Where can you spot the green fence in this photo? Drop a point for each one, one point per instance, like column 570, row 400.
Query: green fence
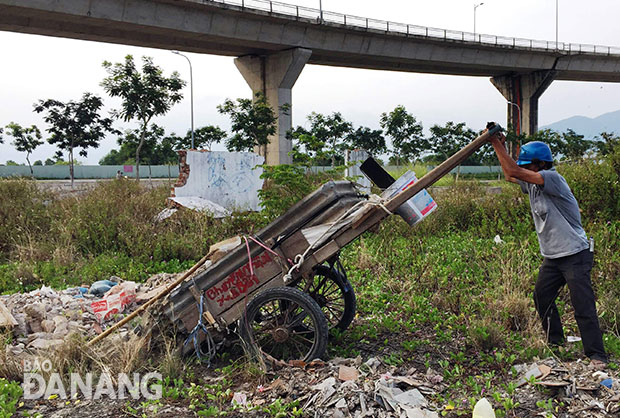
column 61, row 172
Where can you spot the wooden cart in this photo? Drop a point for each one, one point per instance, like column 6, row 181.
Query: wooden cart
column 283, row 288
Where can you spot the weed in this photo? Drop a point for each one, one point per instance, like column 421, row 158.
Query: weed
column 10, row 393
column 279, row 409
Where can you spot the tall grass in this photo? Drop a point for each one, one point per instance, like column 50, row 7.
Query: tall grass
column 110, row 230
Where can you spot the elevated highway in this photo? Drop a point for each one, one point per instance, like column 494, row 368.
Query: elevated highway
column 273, row 41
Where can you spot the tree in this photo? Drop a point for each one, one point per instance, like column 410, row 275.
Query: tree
column 144, row 94
column 370, row 140
column 203, row 137
column 38, row 162
column 325, row 140
column 49, row 161
column 165, row 152
column 307, row 148
column 575, row 146
column 1, row 140
column 156, row 148
column 609, row 142
column 446, row 140
column 251, row 122
column 75, row 125
column 406, row 133
column 25, row 139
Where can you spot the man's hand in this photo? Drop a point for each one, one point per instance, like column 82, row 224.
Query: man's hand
column 500, row 137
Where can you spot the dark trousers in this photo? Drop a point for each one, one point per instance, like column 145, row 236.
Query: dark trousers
column 574, row 270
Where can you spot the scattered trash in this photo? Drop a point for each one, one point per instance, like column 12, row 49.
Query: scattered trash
column 101, row 287
column 44, row 317
column 483, row 409
column 573, row 339
column 498, row 240
column 239, row 398
column 201, row 204
column 347, row 373
column 372, row 363
column 114, row 301
column 607, row 383
column 537, row 371
column 410, row 403
column 6, row 319
column 165, row 214
column 600, row 375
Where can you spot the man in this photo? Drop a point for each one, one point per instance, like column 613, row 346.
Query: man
column 563, row 244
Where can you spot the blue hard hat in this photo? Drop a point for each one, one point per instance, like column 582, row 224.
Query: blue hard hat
column 534, row 150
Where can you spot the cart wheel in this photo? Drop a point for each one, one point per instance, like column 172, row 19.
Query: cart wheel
column 286, row 324
column 334, row 294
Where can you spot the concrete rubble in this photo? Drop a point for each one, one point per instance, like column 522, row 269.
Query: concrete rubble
column 586, row 392
column 348, row 388
column 43, row 318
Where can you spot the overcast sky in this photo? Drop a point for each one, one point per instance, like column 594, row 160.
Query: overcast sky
column 37, row 67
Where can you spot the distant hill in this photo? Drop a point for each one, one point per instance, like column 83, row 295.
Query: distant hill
column 588, row 127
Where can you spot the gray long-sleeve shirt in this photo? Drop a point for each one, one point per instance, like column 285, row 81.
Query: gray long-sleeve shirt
column 556, row 216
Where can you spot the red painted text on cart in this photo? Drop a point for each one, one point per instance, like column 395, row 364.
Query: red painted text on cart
column 239, row 282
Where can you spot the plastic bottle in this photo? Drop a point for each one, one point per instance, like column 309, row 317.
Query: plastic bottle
column 483, row 409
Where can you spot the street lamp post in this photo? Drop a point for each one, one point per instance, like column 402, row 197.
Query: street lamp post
column 475, row 7
column 321, row 10
column 518, row 130
column 556, row 24
column 191, row 89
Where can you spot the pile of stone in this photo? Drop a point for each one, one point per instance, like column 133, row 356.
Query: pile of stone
column 42, row 318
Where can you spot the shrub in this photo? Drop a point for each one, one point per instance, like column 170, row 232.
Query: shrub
column 596, row 185
column 285, row 185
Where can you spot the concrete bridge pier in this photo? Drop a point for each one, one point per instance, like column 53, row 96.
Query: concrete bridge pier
column 275, row 75
column 523, row 91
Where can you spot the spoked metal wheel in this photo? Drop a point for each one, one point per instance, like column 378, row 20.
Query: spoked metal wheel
column 334, row 294
column 286, row 324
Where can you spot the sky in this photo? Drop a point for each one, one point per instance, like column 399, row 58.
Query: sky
column 36, row 67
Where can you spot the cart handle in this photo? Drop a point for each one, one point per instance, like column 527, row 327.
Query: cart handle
column 444, row 168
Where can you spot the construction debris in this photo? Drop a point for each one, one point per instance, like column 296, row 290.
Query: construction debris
column 6, row 319
column 42, row 318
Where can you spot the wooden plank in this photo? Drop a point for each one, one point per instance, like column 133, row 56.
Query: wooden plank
column 429, row 178
column 6, row 318
column 234, row 287
column 326, row 251
column 442, row 169
column 294, row 245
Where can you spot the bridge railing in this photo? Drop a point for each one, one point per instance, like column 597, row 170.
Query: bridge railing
column 318, row 16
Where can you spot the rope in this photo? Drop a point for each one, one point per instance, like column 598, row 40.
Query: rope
column 193, row 336
column 373, row 200
column 265, row 247
column 376, row 200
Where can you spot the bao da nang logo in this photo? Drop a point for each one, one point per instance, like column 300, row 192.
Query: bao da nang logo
column 41, row 382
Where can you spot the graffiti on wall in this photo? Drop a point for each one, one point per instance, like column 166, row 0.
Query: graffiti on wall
column 228, row 179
